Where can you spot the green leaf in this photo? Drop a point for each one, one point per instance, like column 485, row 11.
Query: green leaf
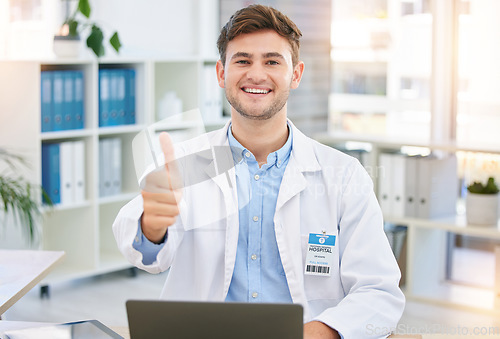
column 73, row 27
column 115, row 42
column 94, row 41
column 84, row 7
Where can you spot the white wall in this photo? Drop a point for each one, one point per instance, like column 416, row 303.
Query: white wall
column 150, row 27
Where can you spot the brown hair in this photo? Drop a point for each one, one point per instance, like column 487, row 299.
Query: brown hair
column 255, row 18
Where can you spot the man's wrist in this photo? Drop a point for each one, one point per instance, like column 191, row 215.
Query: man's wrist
column 319, row 330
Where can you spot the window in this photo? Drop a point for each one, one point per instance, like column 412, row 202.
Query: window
column 381, row 68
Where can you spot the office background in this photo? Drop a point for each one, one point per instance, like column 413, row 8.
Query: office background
column 415, row 77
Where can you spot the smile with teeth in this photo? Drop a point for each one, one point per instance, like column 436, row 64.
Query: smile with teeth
column 256, row 90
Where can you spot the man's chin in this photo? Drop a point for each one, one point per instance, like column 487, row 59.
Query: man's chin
column 256, row 115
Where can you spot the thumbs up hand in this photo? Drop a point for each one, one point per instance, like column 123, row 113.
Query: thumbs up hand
column 161, row 195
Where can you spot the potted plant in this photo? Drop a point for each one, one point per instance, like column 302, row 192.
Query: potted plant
column 482, row 203
column 18, row 197
column 67, row 42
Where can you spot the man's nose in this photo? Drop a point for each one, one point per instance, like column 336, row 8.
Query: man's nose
column 257, row 73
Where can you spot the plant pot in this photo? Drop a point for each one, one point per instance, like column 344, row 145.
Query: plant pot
column 66, row 46
column 482, row 209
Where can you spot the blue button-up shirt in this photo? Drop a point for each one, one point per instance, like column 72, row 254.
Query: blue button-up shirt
column 258, row 272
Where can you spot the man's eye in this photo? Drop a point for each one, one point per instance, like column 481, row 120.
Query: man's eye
column 272, row 62
column 242, row 62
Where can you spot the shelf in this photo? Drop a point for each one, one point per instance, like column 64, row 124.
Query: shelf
column 121, row 129
column 455, row 224
column 124, row 197
column 398, row 142
column 448, row 294
column 65, row 207
column 68, row 134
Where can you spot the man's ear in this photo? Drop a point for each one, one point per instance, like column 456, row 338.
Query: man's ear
column 298, row 70
column 220, row 73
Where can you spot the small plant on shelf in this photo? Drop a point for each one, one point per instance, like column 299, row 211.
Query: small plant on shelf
column 479, row 188
column 482, row 205
column 74, row 25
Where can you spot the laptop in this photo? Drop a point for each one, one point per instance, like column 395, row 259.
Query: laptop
column 151, row 319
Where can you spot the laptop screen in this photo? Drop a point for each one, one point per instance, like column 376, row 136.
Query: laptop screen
column 182, row 320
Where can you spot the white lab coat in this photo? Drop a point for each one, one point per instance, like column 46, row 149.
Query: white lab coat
column 322, row 190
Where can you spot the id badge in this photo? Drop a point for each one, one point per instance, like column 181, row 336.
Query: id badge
column 319, row 258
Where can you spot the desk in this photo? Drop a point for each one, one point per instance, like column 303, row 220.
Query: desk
column 21, row 270
column 6, row 325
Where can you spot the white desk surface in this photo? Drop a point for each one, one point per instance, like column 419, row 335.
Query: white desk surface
column 6, row 325
column 21, row 270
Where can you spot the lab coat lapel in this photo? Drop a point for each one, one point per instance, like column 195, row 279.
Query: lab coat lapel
column 287, row 216
column 225, row 179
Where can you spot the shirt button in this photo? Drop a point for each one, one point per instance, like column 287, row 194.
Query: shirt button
column 255, row 218
column 256, row 177
column 254, row 257
column 279, row 162
column 136, row 239
column 255, row 295
column 247, row 154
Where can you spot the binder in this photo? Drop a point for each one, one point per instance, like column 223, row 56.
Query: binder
column 68, row 102
column 66, row 163
column 58, row 99
column 46, row 170
column 385, row 195
column 54, row 175
column 121, row 96
column 78, row 119
column 437, row 186
column 105, row 187
column 79, row 171
column 131, row 109
column 411, row 186
column 398, row 185
column 113, row 95
column 46, row 99
column 104, row 97
column 116, row 166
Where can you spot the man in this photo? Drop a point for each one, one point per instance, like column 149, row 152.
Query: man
column 250, row 234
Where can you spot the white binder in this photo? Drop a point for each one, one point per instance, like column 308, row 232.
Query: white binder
column 66, row 172
column 79, row 170
column 411, row 186
column 116, row 166
column 385, row 192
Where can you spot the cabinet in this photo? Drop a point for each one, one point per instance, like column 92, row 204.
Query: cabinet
column 427, row 239
column 83, row 229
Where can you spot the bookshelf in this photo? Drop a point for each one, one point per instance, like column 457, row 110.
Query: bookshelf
column 83, row 229
column 427, row 239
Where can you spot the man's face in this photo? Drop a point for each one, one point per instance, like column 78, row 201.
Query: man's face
column 259, row 74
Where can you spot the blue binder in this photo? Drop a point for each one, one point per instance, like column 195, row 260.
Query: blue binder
column 104, row 97
column 68, row 102
column 121, row 98
column 113, row 95
column 46, row 170
column 54, row 181
column 46, row 102
column 130, row 106
column 79, row 116
column 58, row 99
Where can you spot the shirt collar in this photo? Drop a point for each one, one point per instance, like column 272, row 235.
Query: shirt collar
column 277, row 158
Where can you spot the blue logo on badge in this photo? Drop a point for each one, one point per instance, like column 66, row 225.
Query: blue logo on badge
column 322, row 239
